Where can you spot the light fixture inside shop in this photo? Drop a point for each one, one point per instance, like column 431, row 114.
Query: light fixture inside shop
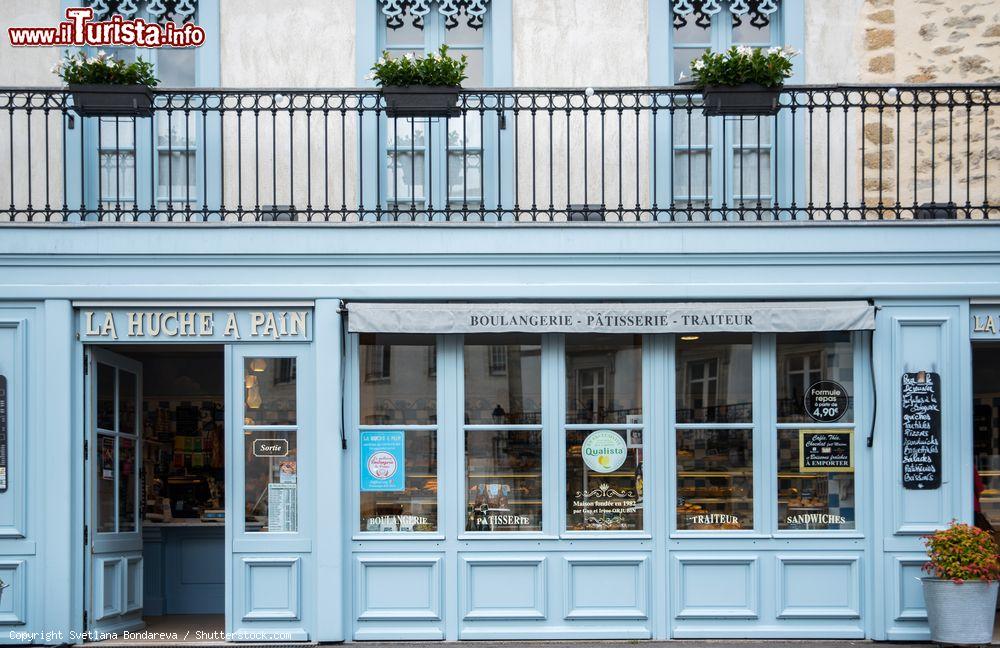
column 690, row 338
column 258, row 365
column 253, row 397
column 250, row 381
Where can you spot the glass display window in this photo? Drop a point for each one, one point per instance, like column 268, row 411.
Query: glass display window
column 814, row 374
column 603, row 378
column 503, row 480
column 714, row 378
column 503, row 432
column 397, row 436
column 270, row 446
column 604, row 481
column 714, row 480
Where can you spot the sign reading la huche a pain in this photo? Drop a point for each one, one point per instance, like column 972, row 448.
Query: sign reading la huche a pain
column 173, row 324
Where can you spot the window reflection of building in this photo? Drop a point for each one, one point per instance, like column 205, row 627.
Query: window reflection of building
column 591, row 391
column 703, row 383
column 800, row 371
column 498, row 360
column 378, row 363
column 396, row 388
column 503, row 379
column 604, row 378
column 715, row 379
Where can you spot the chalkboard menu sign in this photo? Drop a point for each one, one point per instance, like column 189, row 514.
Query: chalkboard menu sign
column 826, row 451
column 921, row 420
column 3, row 434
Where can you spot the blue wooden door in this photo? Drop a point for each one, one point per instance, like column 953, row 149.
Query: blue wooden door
column 114, row 560
column 269, row 479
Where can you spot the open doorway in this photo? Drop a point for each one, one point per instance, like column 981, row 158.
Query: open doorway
column 986, row 441
column 158, row 475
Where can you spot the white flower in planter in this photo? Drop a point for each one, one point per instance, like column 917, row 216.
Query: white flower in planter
column 744, row 50
column 698, row 64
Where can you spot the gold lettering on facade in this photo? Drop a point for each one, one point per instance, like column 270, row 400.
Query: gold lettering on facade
column 981, row 325
column 232, row 327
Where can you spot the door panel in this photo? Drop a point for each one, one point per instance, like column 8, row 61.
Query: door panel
column 269, row 537
column 114, row 392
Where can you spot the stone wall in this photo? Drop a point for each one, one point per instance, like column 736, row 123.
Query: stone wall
column 932, row 41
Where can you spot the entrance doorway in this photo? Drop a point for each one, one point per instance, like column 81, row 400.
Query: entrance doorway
column 156, row 495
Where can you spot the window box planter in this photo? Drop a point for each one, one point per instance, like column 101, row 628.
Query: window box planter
column 103, row 100
column 421, row 101
column 740, row 100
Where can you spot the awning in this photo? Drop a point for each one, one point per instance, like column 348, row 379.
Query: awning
column 697, row 317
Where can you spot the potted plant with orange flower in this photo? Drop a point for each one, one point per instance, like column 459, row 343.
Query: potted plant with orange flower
column 961, row 591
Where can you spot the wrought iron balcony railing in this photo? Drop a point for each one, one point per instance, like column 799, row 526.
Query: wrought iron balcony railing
column 831, row 153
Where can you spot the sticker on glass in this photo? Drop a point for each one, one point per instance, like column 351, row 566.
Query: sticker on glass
column 826, row 401
column 604, row 451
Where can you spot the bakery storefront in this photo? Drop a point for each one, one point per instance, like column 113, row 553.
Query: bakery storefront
column 577, row 470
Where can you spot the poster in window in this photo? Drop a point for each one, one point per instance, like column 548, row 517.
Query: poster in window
column 281, row 513
column 826, row 451
column 383, row 460
column 108, row 458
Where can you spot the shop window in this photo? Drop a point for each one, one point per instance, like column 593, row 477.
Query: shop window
column 604, row 434
column 815, row 435
column 603, row 378
column 503, row 480
column 714, row 479
column 398, row 439
column 714, row 385
column 270, row 446
column 395, row 387
column 714, row 379
column 399, row 480
column 503, row 433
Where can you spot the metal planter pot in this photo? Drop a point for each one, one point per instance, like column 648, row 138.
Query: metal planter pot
column 740, row 100
column 421, row 101
column 960, row 613
column 101, row 100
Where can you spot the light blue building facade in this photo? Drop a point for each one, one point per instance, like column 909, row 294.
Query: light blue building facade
column 332, row 581
column 576, row 363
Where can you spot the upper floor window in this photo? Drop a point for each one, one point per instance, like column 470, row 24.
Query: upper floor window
column 722, row 161
column 156, row 162
column 430, row 162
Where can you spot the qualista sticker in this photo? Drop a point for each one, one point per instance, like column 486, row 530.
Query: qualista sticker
column 604, row 451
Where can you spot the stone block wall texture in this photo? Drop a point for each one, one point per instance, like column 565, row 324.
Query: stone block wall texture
column 948, row 154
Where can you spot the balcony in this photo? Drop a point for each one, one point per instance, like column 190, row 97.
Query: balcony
column 832, row 153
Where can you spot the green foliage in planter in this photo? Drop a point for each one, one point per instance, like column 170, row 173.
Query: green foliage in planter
column 962, row 552
column 428, row 70
column 105, row 69
column 743, row 64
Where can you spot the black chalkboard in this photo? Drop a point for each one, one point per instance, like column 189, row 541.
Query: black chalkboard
column 825, row 451
column 3, row 434
column 921, row 426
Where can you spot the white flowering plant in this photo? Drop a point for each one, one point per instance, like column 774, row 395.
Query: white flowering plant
column 432, row 69
column 104, row 69
column 766, row 67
